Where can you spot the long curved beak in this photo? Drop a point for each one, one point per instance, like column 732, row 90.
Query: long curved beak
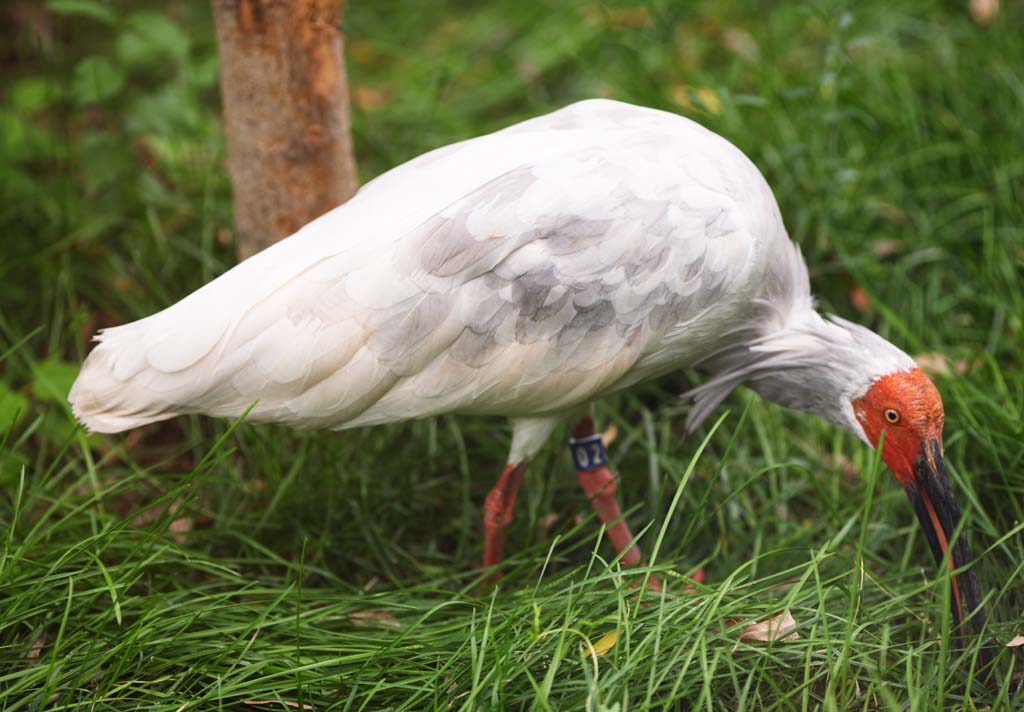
column 930, row 493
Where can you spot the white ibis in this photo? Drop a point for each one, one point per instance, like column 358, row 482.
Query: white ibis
column 524, row 274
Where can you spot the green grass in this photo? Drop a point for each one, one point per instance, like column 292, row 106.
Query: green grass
column 196, row 566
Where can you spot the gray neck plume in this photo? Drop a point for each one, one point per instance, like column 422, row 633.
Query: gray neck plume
column 800, row 360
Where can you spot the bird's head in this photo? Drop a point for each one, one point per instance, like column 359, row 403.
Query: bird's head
column 853, row 377
column 907, row 408
column 902, row 413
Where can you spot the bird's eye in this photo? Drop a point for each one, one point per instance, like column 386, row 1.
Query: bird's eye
column 892, row 416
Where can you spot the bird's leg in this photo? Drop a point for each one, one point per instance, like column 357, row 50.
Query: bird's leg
column 598, row 483
column 498, row 508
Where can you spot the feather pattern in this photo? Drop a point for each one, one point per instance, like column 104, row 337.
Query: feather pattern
column 523, row 273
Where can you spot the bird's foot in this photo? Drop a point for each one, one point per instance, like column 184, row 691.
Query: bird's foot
column 696, row 577
column 652, row 583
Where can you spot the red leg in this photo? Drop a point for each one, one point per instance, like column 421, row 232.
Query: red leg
column 600, row 487
column 498, row 508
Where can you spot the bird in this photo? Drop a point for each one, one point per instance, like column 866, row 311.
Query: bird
column 525, row 274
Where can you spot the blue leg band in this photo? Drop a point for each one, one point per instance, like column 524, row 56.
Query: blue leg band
column 588, row 453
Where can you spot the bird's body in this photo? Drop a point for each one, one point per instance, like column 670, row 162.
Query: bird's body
column 524, row 274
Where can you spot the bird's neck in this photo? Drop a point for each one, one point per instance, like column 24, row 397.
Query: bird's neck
column 804, row 371
column 804, row 362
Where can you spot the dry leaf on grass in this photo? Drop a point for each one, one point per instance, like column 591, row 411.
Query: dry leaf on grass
column 886, row 248
column 606, row 643
column 983, row 11
column 781, row 626
column 362, row 51
column 628, row 18
column 892, row 212
column 370, row 98
column 374, row 619
column 1018, row 640
column 697, row 98
column 179, row 528
column 37, row 647
column 937, row 364
column 709, row 98
column 859, row 298
column 741, row 42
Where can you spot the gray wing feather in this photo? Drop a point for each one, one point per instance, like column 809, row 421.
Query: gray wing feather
column 583, row 244
column 577, row 297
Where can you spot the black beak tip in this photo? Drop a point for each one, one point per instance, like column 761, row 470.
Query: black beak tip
column 932, row 497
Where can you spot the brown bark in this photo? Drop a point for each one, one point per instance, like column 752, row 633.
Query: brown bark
column 285, row 95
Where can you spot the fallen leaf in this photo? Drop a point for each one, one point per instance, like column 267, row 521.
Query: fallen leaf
column 148, row 516
column 1018, row 640
column 254, row 484
column 629, row 17
column 859, row 298
column 453, row 684
column 983, row 11
column 706, row 98
column 374, row 619
column 124, row 285
column 681, row 96
column 892, row 212
column 37, row 647
column 179, row 528
column 362, row 51
column 937, row 364
column 369, row 99
column 528, row 71
column 781, row 626
column 886, row 248
column 710, row 100
column 708, row 26
column 740, row 42
column 606, row 643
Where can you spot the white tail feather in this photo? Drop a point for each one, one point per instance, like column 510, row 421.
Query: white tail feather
column 107, row 396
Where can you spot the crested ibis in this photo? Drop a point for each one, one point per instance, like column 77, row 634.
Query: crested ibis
column 524, row 274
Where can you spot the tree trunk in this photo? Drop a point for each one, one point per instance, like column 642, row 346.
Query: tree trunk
column 282, row 80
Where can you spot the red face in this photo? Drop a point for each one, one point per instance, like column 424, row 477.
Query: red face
column 907, row 407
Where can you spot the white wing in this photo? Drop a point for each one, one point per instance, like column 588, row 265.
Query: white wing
column 518, row 273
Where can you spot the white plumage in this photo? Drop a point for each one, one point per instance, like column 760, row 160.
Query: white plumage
column 523, row 273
